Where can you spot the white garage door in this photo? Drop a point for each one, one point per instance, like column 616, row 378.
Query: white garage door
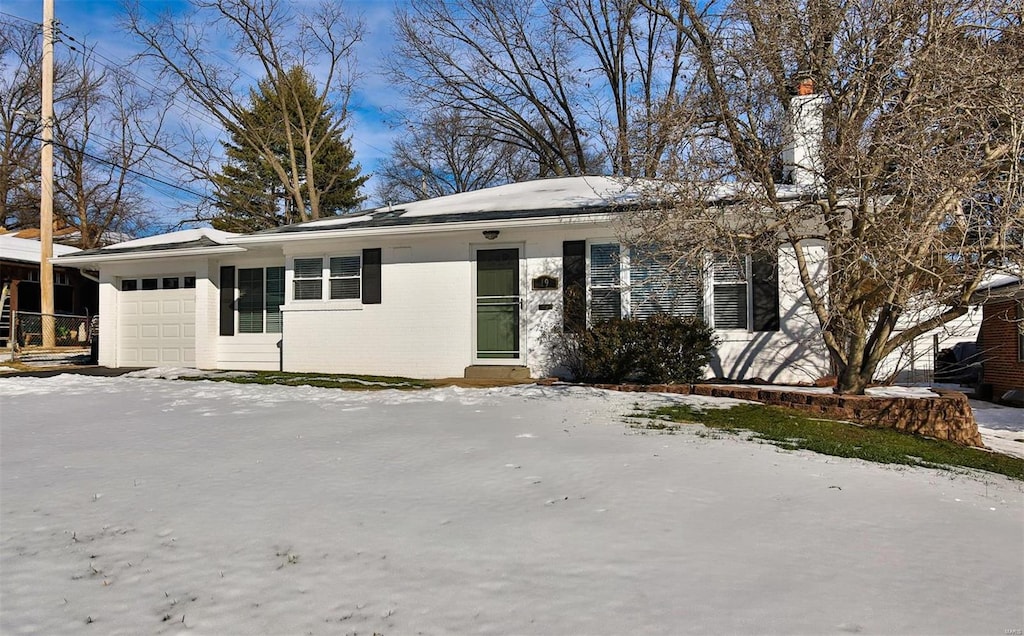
column 156, row 328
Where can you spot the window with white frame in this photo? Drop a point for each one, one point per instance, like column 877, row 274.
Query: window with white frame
column 342, row 273
column 640, row 282
column 658, row 285
column 308, row 279
column 729, row 292
column 260, row 296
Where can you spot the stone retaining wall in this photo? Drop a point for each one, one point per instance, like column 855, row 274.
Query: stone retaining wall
column 946, row 416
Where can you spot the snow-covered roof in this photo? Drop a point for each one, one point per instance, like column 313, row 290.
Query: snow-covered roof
column 182, row 236
column 998, row 287
column 559, row 193
column 537, row 202
column 24, row 250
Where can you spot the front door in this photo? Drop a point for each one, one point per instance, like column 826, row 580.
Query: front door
column 497, row 305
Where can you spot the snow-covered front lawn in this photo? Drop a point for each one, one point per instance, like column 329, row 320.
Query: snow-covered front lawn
column 149, row 506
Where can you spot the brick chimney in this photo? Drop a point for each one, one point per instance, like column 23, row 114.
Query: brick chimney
column 801, row 156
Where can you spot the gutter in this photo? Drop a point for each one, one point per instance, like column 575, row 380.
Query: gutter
column 426, row 228
column 143, row 255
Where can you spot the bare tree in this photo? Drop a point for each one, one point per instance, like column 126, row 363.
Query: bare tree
column 504, row 61
column 635, row 85
column 917, row 190
column 97, row 157
column 275, row 37
column 19, row 118
column 100, row 155
column 445, row 154
column 584, row 86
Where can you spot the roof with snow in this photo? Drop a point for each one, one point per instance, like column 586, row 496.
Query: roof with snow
column 538, row 199
column 530, row 199
column 25, row 250
column 998, row 287
column 201, row 237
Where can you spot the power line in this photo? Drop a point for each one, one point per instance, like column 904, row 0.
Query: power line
column 18, row 17
column 119, row 167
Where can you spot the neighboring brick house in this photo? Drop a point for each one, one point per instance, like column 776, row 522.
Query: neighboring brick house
column 1001, row 339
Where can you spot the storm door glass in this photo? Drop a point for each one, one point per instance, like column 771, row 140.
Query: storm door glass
column 497, row 304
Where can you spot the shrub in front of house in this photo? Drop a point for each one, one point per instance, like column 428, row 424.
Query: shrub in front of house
column 661, row 349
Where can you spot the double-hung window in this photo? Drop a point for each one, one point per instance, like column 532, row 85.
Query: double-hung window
column 344, row 277
column 309, row 279
column 342, row 273
column 729, row 290
column 260, row 296
column 745, row 292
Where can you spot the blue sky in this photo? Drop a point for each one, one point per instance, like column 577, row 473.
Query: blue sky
column 374, row 103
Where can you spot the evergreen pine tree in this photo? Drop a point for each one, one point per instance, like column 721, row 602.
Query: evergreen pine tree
column 287, row 133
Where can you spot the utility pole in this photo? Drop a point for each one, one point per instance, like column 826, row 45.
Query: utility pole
column 46, row 173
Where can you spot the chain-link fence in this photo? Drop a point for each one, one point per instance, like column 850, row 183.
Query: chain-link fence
column 35, row 334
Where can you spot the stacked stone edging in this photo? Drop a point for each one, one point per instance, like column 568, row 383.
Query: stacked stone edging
column 947, row 416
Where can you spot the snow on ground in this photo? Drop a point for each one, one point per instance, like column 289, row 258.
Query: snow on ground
column 1001, row 427
column 134, row 505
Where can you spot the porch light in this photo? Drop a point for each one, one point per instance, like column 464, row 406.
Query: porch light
column 490, row 235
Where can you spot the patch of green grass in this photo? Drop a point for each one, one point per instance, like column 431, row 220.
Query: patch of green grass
column 323, row 380
column 793, row 430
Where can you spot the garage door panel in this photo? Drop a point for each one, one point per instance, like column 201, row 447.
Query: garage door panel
column 157, row 327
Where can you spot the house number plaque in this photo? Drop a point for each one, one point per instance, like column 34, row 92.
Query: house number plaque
column 545, row 282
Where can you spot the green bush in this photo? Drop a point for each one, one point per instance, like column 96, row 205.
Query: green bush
column 659, row 350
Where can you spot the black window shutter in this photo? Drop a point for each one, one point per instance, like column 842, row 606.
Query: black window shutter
column 574, row 285
column 371, row 276
column 764, row 269
column 227, row 301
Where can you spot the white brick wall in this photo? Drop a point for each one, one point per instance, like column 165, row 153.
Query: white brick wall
column 425, row 325
column 422, row 328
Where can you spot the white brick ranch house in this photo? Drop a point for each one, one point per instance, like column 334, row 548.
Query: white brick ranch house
column 432, row 287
